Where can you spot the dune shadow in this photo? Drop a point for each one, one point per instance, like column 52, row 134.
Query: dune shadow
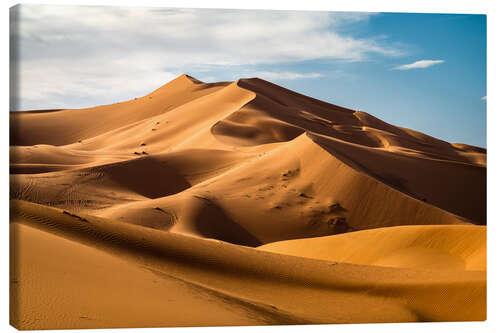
column 147, row 177
column 212, row 222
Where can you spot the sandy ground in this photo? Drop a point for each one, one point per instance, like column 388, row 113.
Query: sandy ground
column 240, row 203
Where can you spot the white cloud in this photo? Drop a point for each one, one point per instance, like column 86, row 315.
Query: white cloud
column 42, row 85
column 483, row 98
column 80, row 56
column 420, row 64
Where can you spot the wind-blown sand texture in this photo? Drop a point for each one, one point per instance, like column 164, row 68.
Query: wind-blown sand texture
column 240, row 203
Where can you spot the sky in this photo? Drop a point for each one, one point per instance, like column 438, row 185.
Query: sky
column 421, row 71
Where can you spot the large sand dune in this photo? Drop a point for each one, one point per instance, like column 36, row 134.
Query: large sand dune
column 160, row 199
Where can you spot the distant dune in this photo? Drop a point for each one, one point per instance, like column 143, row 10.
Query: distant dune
column 240, row 203
column 431, row 247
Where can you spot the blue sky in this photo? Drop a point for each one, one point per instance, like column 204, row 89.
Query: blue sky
column 422, row 71
column 444, row 100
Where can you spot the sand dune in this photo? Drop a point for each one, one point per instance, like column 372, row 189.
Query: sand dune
column 354, row 219
column 247, row 280
column 290, row 198
column 419, row 247
column 81, row 124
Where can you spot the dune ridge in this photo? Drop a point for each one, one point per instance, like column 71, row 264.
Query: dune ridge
column 244, row 195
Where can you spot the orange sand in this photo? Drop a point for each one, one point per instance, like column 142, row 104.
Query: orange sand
column 240, row 203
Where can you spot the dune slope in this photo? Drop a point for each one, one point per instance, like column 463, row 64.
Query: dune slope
column 267, row 287
column 419, row 247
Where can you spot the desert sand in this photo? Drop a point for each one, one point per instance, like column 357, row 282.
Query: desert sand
column 240, row 203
